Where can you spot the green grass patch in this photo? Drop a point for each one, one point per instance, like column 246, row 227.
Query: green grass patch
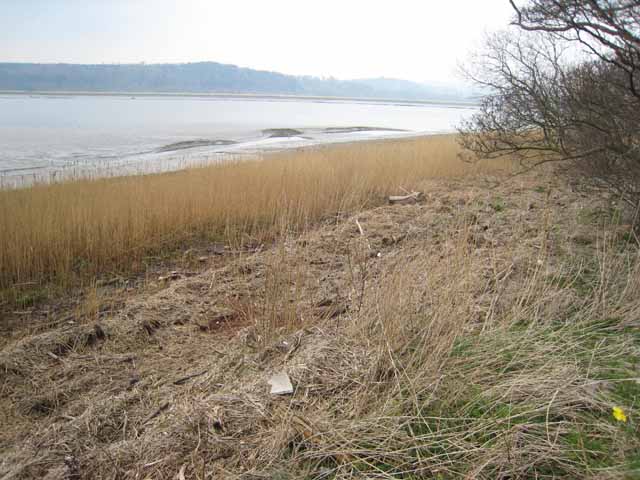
column 498, row 205
column 517, row 391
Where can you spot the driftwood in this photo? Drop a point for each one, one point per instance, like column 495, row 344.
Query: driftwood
column 413, row 197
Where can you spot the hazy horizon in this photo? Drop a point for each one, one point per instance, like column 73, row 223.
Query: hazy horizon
column 409, row 40
column 453, row 81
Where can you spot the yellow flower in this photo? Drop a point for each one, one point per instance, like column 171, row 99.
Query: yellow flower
column 619, row 414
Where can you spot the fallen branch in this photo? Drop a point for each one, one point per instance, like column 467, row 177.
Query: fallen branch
column 413, row 197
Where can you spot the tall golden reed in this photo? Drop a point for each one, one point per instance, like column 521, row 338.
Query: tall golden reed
column 78, row 229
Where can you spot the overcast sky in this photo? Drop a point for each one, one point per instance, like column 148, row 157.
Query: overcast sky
column 413, row 39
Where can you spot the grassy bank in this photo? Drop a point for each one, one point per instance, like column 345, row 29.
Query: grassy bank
column 488, row 332
column 71, row 232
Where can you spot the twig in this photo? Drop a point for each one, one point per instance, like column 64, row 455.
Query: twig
column 157, row 412
column 362, row 233
column 295, row 347
column 25, row 284
column 547, row 419
column 181, row 472
column 55, row 357
column 184, row 380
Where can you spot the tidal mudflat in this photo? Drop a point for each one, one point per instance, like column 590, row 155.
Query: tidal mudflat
column 50, row 137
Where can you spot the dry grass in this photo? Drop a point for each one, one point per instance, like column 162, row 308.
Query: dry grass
column 77, row 230
column 485, row 341
column 450, row 394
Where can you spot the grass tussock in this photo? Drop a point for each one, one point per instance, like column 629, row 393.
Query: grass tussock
column 445, row 372
column 75, row 230
column 530, row 395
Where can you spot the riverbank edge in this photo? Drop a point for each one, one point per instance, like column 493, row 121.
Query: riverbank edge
column 243, row 96
column 59, row 176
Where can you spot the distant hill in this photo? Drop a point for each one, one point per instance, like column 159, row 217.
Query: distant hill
column 408, row 89
column 205, row 77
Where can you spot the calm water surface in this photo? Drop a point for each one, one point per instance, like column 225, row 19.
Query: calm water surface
column 44, row 137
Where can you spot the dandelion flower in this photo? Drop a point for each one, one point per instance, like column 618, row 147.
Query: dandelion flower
column 619, row 414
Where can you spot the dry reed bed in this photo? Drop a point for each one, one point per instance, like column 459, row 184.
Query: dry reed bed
column 487, row 340
column 77, row 230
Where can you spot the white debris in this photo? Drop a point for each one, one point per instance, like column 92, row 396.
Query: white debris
column 280, row 384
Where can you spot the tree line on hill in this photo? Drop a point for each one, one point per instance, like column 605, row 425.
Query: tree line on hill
column 206, row 77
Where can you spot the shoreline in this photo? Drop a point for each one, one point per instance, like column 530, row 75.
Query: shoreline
column 177, row 160
column 242, row 96
column 105, row 135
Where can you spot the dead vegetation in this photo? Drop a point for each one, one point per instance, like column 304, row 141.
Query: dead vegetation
column 70, row 233
column 483, row 332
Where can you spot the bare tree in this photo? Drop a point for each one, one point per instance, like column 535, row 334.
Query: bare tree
column 549, row 101
column 609, row 29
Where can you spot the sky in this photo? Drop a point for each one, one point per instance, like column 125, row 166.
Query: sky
column 420, row 40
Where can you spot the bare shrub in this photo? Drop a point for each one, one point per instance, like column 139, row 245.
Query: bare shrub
column 564, row 87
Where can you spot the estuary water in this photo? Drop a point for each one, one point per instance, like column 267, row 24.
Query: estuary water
column 47, row 137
